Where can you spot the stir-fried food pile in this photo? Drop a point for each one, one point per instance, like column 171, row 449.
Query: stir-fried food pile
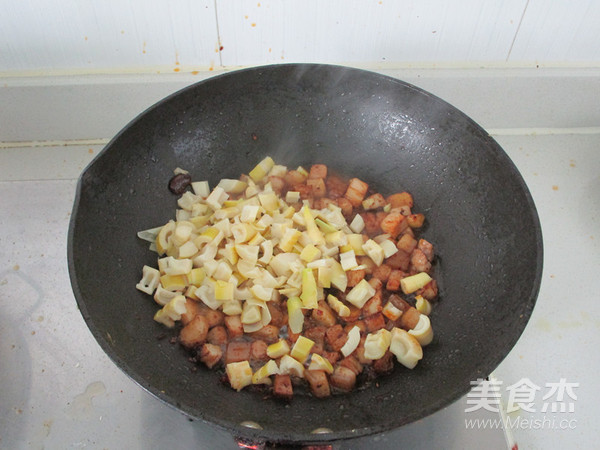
column 285, row 276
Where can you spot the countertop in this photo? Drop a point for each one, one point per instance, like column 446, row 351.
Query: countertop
column 59, row 390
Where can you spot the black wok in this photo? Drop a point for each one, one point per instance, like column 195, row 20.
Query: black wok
column 481, row 218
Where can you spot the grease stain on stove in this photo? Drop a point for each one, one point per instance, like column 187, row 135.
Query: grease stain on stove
column 543, row 325
column 82, row 406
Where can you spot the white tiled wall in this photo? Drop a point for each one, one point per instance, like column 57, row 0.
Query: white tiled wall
column 187, row 35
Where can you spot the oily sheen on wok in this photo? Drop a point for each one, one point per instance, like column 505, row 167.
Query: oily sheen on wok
column 391, row 134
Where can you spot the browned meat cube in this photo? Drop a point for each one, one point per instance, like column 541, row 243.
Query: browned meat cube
column 393, row 224
column 373, row 305
column 317, row 186
column 319, row 385
column 258, row 351
column 359, row 353
column 419, row 261
column 315, row 334
column 305, row 191
column 367, row 262
column 372, row 223
column 374, row 322
column 293, row 178
column 374, row 201
column 282, row 387
column 336, row 187
column 278, row 316
column 238, row 351
column 399, row 302
column 355, row 276
column 429, row 291
column 355, row 312
column 268, row 333
column 277, row 183
column 409, row 318
column 400, row 199
column 359, row 323
column 217, row 335
column 393, row 282
column 332, row 357
column 406, row 243
column 213, row 317
column 385, row 364
column 234, row 326
column 324, row 315
column 336, row 337
column 415, row 220
column 322, row 203
column 318, row 171
column 210, row 355
column 427, row 248
column 356, row 191
column 382, row 272
column 192, row 309
column 343, row 378
column 352, row 363
column 345, row 206
column 194, row 333
column 399, row 260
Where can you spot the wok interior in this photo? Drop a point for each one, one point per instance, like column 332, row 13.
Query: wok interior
column 480, row 218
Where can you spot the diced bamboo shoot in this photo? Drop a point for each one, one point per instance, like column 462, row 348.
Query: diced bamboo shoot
column 360, row 293
column 317, row 362
column 309, row 289
column 295, row 315
column 301, row 349
column 423, row 331
column 278, row 349
column 376, row 344
column 239, row 374
column 407, row 349
column 352, row 342
column 414, row 282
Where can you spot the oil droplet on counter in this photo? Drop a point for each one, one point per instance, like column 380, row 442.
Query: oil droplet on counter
column 81, row 406
column 543, row 325
column 91, row 151
column 555, row 187
column 47, row 426
column 16, row 267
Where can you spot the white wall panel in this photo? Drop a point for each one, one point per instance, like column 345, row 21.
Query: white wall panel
column 366, row 31
column 559, row 31
column 87, row 34
column 172, row 35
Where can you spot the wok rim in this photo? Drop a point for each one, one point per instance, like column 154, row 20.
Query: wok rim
column 266, row 436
